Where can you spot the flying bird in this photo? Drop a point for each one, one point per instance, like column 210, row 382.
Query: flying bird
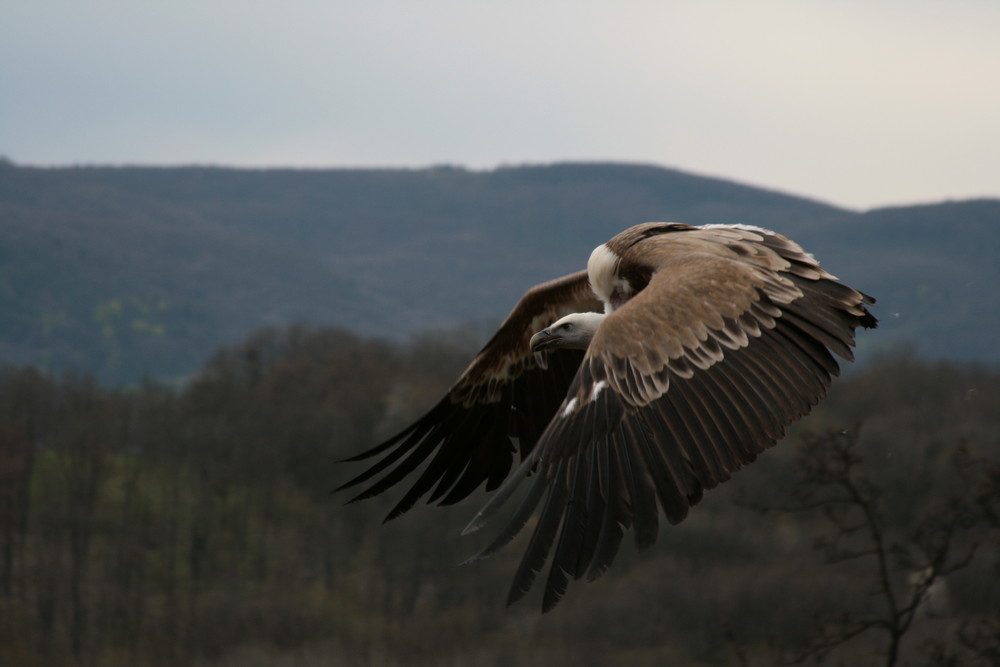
column 678, row 356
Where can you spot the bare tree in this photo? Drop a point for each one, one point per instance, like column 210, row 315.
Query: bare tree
column 977, row 642
column 904, row 566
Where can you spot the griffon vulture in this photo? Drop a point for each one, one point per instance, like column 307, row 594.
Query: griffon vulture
column 679, row 355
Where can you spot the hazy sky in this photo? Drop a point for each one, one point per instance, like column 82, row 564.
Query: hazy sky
column 858, row 103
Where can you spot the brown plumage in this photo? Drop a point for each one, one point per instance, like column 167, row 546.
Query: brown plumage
column 712, row 340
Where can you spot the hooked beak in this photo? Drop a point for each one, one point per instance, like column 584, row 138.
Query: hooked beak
column 543, row 340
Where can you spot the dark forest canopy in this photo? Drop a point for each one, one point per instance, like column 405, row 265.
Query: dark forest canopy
column 133, row 272
column 196, row 526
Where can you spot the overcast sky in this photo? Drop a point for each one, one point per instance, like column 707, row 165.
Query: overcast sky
column 858, row 103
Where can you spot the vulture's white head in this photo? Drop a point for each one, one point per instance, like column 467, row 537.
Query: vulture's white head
column 573, row 332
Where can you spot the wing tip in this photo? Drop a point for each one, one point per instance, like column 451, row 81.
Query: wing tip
column 517, row 592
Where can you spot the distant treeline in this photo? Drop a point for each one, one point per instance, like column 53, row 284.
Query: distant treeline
column 162, row 526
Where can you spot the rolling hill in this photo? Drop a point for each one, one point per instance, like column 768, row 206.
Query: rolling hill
column 130, row 272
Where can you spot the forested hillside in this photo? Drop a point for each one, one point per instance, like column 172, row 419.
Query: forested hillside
column 149, row 521
column 133, row 272
column 195, row 526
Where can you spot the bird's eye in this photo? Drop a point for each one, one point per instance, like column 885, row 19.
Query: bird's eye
column 566, row 327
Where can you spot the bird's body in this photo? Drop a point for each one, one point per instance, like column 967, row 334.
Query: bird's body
column 679, row 355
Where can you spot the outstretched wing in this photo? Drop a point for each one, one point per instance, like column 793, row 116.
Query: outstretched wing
column 506, row 394
column 730, row 342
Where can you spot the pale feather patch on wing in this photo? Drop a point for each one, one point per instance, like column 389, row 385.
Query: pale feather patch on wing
column 760, row 247
column 570, row 407
column 746, row 228
column 781, row 290
column 730, row 335
column 596, row 391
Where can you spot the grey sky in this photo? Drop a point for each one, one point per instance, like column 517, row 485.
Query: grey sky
column 856, row 103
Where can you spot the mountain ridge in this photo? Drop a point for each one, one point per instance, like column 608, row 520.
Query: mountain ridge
column 131, row 271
